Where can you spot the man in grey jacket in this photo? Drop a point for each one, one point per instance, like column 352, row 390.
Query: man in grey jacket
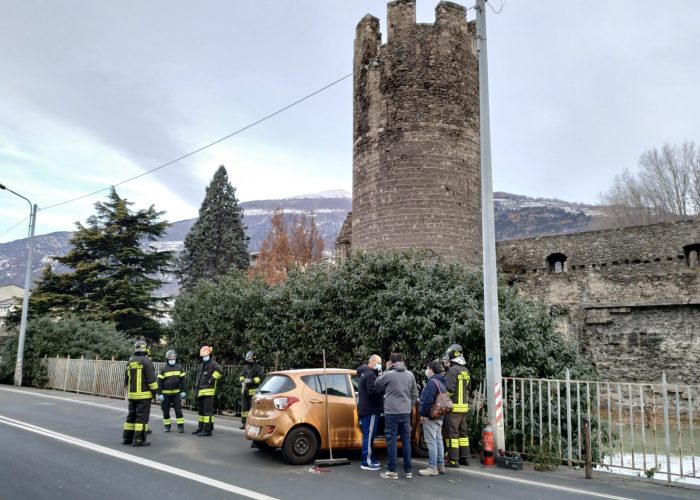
column 400, row 395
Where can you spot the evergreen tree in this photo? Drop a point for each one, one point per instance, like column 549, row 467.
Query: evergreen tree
column 217, row 242
column 113, row 274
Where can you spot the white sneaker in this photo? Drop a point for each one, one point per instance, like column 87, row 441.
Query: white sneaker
column 389, row 475
column 428, row 472
column 370, row 467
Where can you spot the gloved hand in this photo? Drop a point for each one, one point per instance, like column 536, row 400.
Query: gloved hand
column 161, row 397
column 182, row 395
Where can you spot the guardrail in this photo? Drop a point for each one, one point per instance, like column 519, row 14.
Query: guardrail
column 648, row 428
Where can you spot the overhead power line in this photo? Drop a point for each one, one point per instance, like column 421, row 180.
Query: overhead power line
column 240, row 130
column 10, row 229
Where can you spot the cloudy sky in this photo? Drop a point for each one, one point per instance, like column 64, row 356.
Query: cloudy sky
column 95, row 92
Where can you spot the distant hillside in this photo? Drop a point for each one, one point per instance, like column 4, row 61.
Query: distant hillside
column 516, row 217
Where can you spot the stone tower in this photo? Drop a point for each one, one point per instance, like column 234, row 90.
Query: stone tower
column 416, row 174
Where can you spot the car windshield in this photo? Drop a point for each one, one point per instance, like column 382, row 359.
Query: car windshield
column 275, row 384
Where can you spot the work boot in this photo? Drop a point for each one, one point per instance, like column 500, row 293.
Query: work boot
column 242, row 427
column 198, row 429
column 441, row 469
column 127, row 441
column 166, row 428
column 180, row 428
column 464, row 461
column 452, row 464
column 140, row 439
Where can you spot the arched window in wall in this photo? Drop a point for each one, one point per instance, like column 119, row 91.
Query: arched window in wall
column 556, row 263
column 692, row 255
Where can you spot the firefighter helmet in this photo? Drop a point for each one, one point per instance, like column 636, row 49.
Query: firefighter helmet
column 454, row 354
column 140, row 346
column 171, row 354
column 205, row 351
column 454, row 351
column 250, row 356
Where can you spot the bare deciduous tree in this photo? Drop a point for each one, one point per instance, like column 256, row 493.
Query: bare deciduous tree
column 291, row 243
column 666, row 188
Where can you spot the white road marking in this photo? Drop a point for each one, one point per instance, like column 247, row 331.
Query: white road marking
column 231, row 488
column 530, row 482
column 108, row 407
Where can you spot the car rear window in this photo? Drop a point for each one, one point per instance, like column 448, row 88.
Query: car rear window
column 276, row 384
column 337, row 384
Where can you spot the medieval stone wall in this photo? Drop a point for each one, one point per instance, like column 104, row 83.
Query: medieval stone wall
column 416, row 176
column 630, row 297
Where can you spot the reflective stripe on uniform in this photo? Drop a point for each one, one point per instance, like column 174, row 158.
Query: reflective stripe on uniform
column 206, row 392
column 180, row 421
column 241, row 378
column 175, row 373
column 460, row 408
column 167, row 421
column 256, row 380
column 251, row 392
column 138, row 427
column 129, row 426
column 140, row 395
column 160, row 376
column 244, row 414
column 171, row 391
column 453, row 443
column 464, row 441
column 153, row 386
column 216, row 375
column 206, row 419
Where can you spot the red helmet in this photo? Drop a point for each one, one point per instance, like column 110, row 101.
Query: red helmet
column 205, row 351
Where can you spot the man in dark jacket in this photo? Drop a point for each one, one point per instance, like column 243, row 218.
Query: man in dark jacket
column 207, row 383
column 171, row 391
column 432, row 428
column 251, row 376
column 370, row 406
column 400, row 395
column 141, row 385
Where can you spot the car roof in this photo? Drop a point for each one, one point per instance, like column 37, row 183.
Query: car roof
column 314, row 371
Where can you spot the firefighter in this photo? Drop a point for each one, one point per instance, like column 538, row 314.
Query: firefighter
column 171, row 391
column 206, row 386
column 250, row 378
column 457, row 430
column 141, row 383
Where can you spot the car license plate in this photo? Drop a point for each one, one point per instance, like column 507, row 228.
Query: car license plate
column 253, row 430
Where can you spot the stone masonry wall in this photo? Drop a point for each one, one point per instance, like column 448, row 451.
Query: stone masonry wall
column 416, row 176
column 607, row 287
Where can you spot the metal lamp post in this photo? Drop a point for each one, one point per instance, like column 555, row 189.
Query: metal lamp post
column 27, row 284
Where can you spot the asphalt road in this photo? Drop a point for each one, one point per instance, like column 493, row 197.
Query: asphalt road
column 60, row 445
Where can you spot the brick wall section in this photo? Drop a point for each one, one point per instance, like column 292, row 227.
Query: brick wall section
column 620, row 292
column 416, row 175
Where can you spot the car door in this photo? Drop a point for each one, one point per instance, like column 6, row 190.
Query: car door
column 341, row 407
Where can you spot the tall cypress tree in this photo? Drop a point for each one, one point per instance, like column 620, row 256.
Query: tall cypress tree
column 217, row 242
column 113, row 273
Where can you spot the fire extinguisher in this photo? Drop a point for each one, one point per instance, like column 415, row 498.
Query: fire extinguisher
column 487, row 446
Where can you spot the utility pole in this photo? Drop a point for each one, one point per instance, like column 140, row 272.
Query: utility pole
column 491, row 324
column 27, row 284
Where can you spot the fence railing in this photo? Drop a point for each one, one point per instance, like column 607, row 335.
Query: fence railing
column 643, row 427
column 102, row 377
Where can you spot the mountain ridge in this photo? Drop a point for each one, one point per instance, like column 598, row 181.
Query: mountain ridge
column 516, row 216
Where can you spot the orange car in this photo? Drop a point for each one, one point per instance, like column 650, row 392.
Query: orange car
column 289, row 412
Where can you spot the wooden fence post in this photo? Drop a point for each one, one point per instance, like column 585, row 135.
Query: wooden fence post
column 65, row 374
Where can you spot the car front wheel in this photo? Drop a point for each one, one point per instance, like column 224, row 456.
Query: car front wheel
column 300, row 446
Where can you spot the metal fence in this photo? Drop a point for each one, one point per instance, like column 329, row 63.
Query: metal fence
column 101, row 377
column 643, row 427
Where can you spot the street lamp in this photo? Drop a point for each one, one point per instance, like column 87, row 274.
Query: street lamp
column 27, row 284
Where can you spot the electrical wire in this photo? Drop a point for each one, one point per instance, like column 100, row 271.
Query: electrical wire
column 243, row 129
column 10, row 229
column 503, row 4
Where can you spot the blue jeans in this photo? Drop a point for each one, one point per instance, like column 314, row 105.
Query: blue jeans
column 432, row 433
column 369, row 425
column 398, row 425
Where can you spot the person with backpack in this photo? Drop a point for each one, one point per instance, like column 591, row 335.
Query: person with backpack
column 432, row 425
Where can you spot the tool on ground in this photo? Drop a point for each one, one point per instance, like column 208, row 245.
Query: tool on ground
column 329, row 461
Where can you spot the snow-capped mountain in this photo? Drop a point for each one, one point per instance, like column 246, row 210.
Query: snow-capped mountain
column 516, row 217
